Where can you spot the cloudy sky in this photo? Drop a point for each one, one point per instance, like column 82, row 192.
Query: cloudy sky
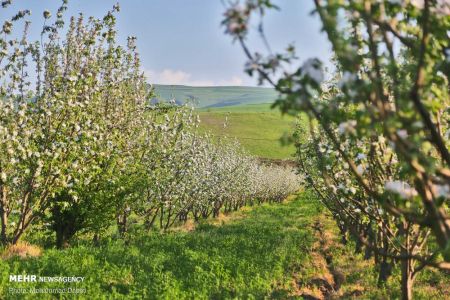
column 182, row 41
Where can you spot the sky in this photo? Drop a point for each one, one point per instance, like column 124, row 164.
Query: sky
column 182, row 41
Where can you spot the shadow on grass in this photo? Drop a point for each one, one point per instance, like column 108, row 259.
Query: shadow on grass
column 246, row 258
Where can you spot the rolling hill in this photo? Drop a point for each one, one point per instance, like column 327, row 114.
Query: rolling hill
column 215, row 96
column 246, row 111
column 256, row 126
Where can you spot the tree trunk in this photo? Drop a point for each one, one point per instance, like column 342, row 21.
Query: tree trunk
column 385, row 272
column 407, row 279
column 3, row 217
column 407, row 266
column 385, row 266
column 96, row 239
column 358, row 246
column 372, row 240
column 122, row 223
column 62, row 239
column 343, row 230
column 4, row 223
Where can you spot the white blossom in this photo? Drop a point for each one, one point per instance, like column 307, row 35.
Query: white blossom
column 402, row 133
column 400, row 187
column 360, row 156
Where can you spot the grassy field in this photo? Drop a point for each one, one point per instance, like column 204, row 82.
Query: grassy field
column 245, row 255
column 257, row 127
column 247, row 110
column 270, row 251
column 216, row 96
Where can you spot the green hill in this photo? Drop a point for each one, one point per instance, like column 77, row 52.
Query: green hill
column 215, row 96
column 257, row 127
column 247, row 110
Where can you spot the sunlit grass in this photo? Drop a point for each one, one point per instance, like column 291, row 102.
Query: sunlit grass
column 257, row 127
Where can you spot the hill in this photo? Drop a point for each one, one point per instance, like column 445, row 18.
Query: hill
column 257, row 127
column 247, row 110
column 215, row 96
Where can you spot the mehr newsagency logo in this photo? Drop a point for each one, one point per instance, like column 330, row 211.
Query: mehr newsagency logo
column 69, row 284
column 38, row 278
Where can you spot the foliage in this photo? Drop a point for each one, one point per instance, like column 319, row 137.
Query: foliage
column 187, row 173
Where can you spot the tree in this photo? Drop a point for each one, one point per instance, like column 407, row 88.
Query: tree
column 383, row 120
column 60, row 140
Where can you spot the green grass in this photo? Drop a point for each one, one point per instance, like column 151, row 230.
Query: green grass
column 361, row 274
column 248, row 257
column 250, row 118
column 269, row 251
column 257, row 127
column 259, row 107
column 216, row 96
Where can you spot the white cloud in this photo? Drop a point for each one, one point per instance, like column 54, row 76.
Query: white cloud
column 179, row 77
column 235, row 80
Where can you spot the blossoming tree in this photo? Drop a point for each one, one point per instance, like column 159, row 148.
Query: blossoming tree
column 381, row 159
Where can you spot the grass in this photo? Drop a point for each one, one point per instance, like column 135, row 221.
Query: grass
column 257, row 127
column 270, row 251
column 359, row 276
column 250, row 118
column 245, row 257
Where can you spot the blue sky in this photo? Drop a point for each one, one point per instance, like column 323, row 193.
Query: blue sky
column 182, row 42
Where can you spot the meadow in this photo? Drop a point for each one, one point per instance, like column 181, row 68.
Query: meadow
column 258, row 128
column 271, row 251
column 242, row 113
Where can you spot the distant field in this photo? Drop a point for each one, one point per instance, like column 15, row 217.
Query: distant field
column 250, row 118
column 257, row 127
column 215, row 96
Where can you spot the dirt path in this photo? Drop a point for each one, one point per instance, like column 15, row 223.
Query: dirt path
column 328, row 277
column 328, row 280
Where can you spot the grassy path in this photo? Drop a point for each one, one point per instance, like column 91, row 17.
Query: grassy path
column 276, row 251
